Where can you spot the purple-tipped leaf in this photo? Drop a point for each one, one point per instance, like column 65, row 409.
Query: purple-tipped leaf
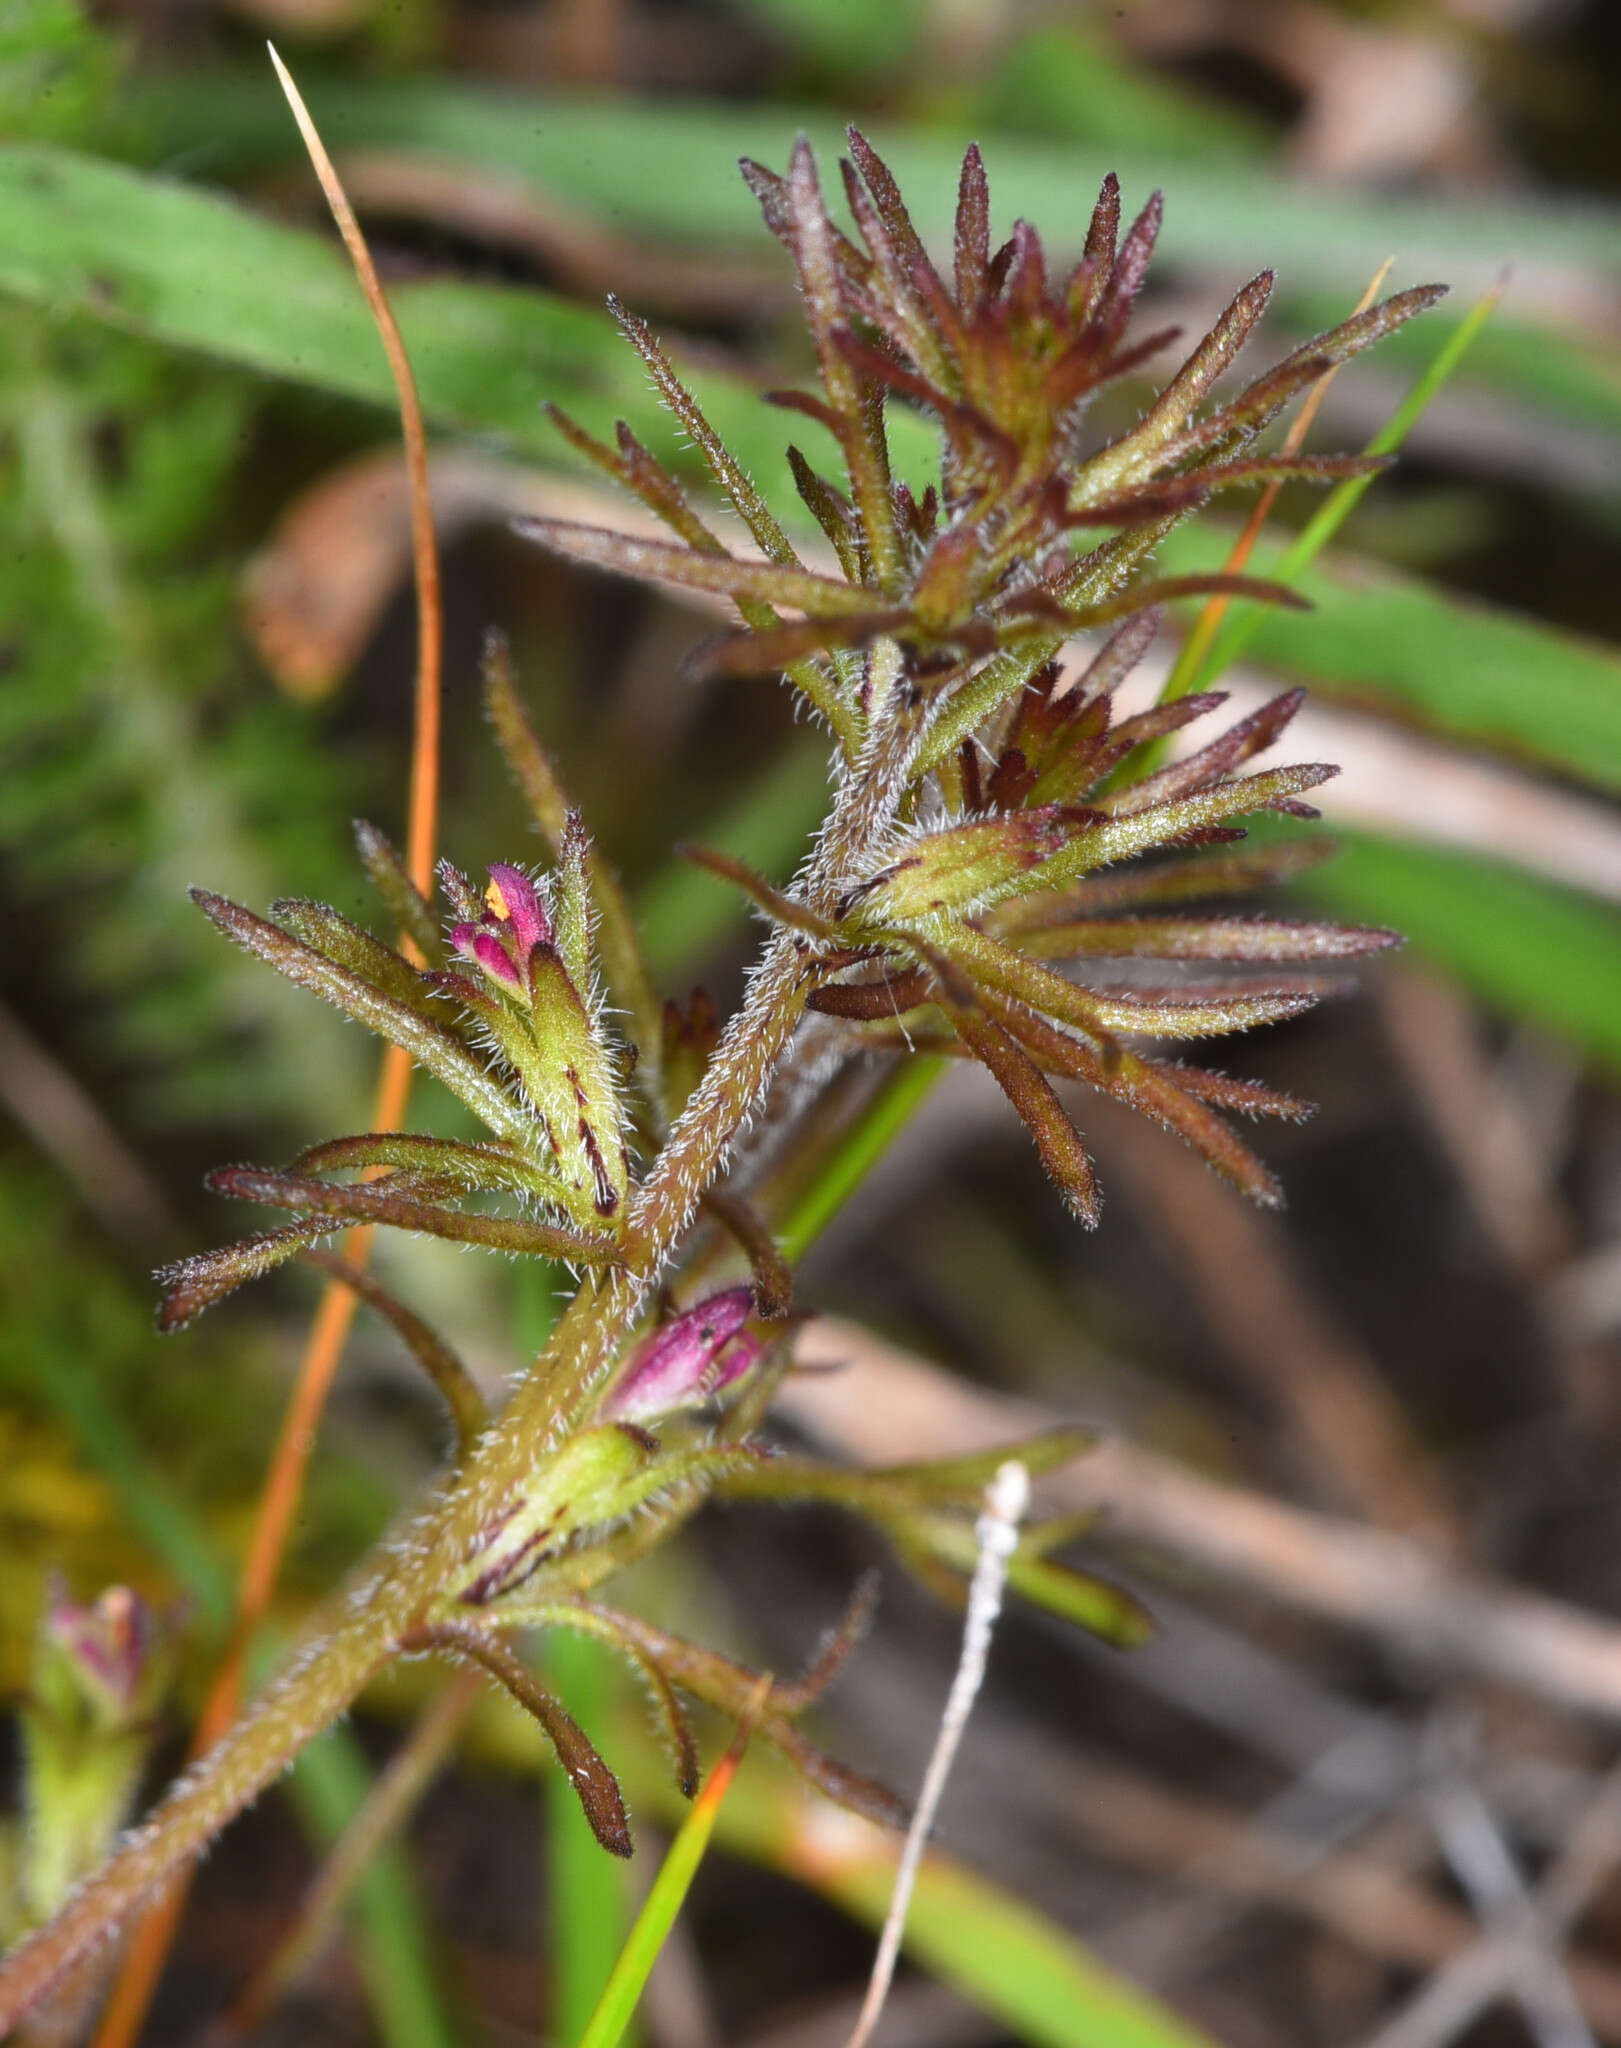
column 191, row 1285
column 378, row 1203
column 665, row 562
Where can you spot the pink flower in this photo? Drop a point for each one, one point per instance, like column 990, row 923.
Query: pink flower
column 692, row 1358
column 513, row 924
column 110, row 1648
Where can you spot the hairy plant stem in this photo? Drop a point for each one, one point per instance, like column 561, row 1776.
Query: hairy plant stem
column 560, row 1390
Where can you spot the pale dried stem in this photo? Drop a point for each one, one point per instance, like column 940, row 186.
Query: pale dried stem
column 997, row 1533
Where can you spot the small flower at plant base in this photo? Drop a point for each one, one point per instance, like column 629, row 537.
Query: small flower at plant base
column 105, row 1655
column 513, row 923
column 95, row 1683
column 692, row 1358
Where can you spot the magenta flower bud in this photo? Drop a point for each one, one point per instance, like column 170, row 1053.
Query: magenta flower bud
column 693, row 1357
column 494, row 958
column 515, row 899
column 513, row 923
column 109, row 1648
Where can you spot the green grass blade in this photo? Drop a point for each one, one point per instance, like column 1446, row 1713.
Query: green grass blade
column 857, row 1152
column 1035, row 1980
column 680, row 1866
column 1471, row 672
column 610, row 156
column 588, row 1904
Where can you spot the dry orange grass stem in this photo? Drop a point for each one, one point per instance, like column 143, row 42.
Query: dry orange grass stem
column 284, row 1482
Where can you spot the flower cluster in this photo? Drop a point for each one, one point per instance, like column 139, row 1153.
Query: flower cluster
column 1018, row 868
column 948, row 634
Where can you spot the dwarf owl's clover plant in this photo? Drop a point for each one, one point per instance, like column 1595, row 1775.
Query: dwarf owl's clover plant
column 1002, row 851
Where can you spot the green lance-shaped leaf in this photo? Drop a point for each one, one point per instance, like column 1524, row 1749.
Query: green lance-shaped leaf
column 1203, row 938
column 1212, row 762
column 1254, row 408
column 429, row 1042
column 1211, row 358
column 595, row 1784
column 411, row 909
column 730, row 476
column 1167, row 882
column 831, row 510
column 1169, row 1013
column 1092, row 1603
column 819, row 258
column 1166, row 439
column 1143, row 596
column 962, row 867
column 379, row 1203
column 658, row 490
column 1119, row 838
column 640, row 472
column 889, row 1490
column 663, row 561
column 480, row 1168
column 192, row 1284
column 350, row 946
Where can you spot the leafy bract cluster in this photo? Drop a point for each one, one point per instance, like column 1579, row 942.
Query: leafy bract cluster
column 981, row 888
column 1022, row 783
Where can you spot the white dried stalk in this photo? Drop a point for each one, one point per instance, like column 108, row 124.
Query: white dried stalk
column 997, row 1534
